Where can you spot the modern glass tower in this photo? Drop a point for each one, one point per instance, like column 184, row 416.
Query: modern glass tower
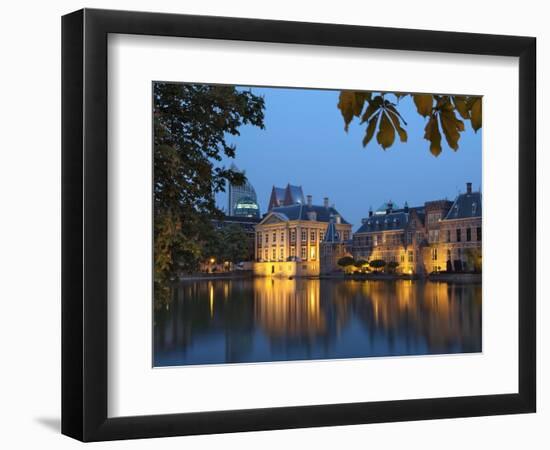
column 242, row 200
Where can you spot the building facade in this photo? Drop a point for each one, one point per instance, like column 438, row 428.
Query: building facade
column 437, row 236
column 288, row 238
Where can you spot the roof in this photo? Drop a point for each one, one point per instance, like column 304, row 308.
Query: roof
column 385, row 206
column 396, row 220
column 294, row 194
column 465, row 206
column 302, row 212
column 331, row 236
column 279, row 193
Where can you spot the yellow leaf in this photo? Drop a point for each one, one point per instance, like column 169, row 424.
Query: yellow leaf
column 370, row 131
column 400, row 131
column 451, row 127
column 461, row 106
column 351, row 104
column 386, row 133
column 475, row 111
column 424, row 104
column 432, row 134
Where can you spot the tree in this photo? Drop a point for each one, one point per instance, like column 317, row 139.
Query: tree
column 346, row 262
column 473, row 256
column 235, row 244
column 361, row 263
column 377, row 264
column 191, row 126
column 382, row 114
column 392, row 266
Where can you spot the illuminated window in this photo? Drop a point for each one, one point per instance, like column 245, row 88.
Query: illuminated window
column 304, row 252
column 292, row 235
column 293, row 251
column 274, row 237
column 312, row 236
column 282, row 253
column 434, row 254
column 266, row 238
column 304, row 235
column 321, row 235
column 411, row 256
column 313, row 252
column 274, row 254
column 282, row 236
column 266, row 254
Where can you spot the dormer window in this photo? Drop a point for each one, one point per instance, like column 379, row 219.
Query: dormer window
column 474, row 207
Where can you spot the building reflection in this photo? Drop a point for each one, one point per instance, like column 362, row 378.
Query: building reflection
column 267, row 319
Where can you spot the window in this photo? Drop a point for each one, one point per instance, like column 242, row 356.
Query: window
column 259, row 239
column 266, row 254
column 266, row 238
column 468, row 234
column 292, row 252
column 458, row 234
column 292, row 235
column 448, row 255
column 304, row 235
column 409, row 237
column 274, row 237
column 411, row 256
column 474, row 208
column 402, row 258
column 313, row 253
column 321, row 235
column 274, row 254
column 448, row 235
column 346, row 235
column 282, row 236
column 375, row 240
column 312, row 235
column 434, row 254
column 478, row 232
column 369, row 241
column 304, row 252
column 282, row 253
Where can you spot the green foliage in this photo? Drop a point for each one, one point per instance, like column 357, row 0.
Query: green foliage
column 191, row 124
column 473, row 257
column 229, row 243
column 392, row 266
column 377, row 264
column 346, row 261
column 439, row 110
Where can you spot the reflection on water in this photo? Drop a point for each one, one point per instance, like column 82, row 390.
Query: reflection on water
column 264, row 319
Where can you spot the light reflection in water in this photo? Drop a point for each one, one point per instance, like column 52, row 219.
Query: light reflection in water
column 264, row 319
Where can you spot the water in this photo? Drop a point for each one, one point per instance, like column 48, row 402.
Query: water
column 264, row 319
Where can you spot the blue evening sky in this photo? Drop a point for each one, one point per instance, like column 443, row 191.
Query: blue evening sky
column 304, row 143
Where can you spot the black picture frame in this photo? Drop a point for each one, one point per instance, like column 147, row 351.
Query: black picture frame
column 84, row 224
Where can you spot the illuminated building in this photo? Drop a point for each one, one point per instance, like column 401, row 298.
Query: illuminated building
column 439, row 235
column 288, row 238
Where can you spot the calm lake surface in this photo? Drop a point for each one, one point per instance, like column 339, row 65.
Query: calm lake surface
column 264, row 319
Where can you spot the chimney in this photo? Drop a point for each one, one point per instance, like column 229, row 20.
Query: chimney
column 370, row 212
column 468, row 188
column 325, row 202
column 390, row 207
column 309, row 200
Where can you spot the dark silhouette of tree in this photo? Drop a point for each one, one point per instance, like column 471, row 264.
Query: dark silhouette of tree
column 191, row 124
column 380, row 113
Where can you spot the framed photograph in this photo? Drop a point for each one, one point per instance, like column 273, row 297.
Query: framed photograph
column 273, row 224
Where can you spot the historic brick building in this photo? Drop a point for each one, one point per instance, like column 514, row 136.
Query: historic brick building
column 439, row 235
column 288, row 237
